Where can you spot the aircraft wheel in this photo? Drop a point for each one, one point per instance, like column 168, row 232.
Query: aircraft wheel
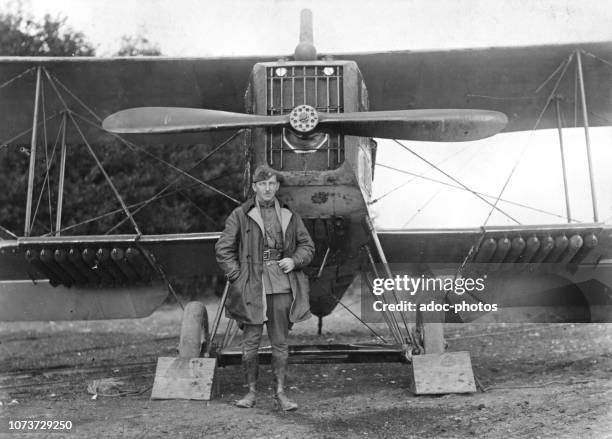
column 194, row 330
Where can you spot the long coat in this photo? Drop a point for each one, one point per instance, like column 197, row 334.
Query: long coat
column 240, row 256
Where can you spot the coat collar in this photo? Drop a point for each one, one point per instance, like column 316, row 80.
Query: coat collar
column 284, row 214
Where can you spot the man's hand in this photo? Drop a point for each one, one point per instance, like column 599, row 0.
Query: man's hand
column 286, row 264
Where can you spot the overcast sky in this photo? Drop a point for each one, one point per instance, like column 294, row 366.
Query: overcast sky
column 265, row 27
column 238, row 27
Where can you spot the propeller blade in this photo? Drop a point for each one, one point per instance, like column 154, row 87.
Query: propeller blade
column 163, row 120
column 424, row 125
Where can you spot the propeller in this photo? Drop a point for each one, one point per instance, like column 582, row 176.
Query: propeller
column 422, row 125
column 425, row 125
column 165, row 120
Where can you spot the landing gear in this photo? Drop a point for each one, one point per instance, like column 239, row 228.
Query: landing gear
column 430, row 327
column 194, row 330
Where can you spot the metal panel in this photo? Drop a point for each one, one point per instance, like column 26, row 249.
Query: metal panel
column 291, row 85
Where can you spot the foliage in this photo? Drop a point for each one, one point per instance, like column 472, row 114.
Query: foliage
column 137, row 46
column 20, row 35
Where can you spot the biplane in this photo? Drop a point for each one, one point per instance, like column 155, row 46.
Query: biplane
column 313, row 118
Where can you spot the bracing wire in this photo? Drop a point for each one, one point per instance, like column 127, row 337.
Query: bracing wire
column 133, row 146
column 568, row 60
column 16, row 77
column 93, row 154
column 46, row 178
column 454, row 179
column 484, row 194
column 421, row 174
column 47, row 163
column 476, row 245
column 6, row 143
column 430, row 199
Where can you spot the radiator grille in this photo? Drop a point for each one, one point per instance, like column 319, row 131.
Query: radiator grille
column 304, row 85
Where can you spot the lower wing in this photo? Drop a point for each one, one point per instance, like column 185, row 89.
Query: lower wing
column 96, row 277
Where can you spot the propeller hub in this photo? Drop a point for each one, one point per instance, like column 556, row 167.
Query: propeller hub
column 304, row 118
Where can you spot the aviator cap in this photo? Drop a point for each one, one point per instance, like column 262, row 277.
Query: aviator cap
column 264, row 172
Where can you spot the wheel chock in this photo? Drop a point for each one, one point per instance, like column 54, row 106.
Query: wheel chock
column 184, row 378
column 449, row 372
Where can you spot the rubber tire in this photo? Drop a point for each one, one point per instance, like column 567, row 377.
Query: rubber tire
column 194, row 330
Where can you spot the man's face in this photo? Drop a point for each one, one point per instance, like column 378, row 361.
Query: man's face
column 265, row 190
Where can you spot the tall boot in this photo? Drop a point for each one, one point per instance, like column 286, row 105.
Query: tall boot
column 282, row 401
column 251, row 370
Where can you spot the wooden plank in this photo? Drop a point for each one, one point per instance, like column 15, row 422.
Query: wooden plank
column 450, row 372
column 184, row 378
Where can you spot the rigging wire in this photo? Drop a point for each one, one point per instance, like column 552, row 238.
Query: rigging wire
column 474, row 248
column 16, row 77
column 129, row 144
column 575, row 95
column 452, row 178
column 76, row 98
column 390, row 317
column 177, row 178
column 114, row 212
column 420, row 209
column 93, row 154
column 6, row 143
column 46, row 179
column 338, row 301
column 608, row 63
column 106, row 176
column 144, row 204
column 421, row 174
column 158, row 195
column 133, row 146
column 530, row 97
column 484, row 194
column 527, row 144
column 47, row 163
column 559, row 67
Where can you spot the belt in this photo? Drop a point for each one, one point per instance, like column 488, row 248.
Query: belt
column 271, row 254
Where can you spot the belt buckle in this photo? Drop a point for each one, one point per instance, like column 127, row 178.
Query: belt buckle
column 266, row 255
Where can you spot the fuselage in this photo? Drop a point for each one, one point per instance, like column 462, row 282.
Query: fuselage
column 327, row 178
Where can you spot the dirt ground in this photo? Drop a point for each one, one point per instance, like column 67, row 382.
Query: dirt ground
column 541, row 381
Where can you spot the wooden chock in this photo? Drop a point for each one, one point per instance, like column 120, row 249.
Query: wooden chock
column 184, row 378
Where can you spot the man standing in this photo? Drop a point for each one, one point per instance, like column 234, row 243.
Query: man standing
column 261, row 251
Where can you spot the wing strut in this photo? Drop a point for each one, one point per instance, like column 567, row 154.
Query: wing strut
column 60, row 184
column 409, row 339
column 53, row 80
column 91, row 151
column 28, row 218
column 585, row 119
column 563, row 168
column 388, row 316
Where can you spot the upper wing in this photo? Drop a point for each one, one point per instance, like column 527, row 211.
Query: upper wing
column 502, row 79
column 505, row 79
column 107, row 85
